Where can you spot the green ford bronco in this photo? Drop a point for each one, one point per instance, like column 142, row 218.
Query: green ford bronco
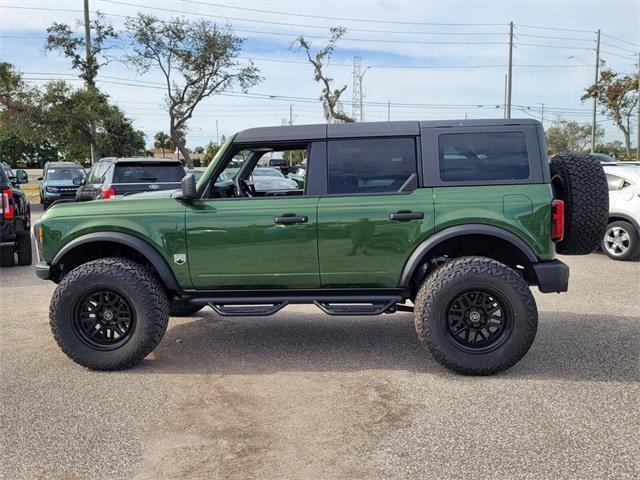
column 453, row 220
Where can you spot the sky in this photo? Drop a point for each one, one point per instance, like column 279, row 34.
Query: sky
column 430, row 59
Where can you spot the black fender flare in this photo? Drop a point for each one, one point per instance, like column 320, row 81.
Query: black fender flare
column 458, row 231
column 144, row 248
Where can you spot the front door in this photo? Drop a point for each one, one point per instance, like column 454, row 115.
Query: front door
column 254, row 243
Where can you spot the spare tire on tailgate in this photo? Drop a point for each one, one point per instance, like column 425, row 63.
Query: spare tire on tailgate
column 578, row 180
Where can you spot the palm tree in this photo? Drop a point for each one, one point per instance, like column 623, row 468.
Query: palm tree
column 163, row 142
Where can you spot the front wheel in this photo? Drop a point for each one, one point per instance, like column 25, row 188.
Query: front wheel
column 476, row 316
column 621, row 241
column 109, row 314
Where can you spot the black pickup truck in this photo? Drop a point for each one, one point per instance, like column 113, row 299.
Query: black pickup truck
column 15, row 221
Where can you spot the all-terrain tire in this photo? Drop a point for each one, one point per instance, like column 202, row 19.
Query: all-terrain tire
column 181, row 309
column 579, row 180
column 629, row 241
column 24, row 250
column 132, row 281
column 6, row 256
column 438, row 296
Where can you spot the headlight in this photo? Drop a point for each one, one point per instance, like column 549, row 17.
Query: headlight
column 52, row 189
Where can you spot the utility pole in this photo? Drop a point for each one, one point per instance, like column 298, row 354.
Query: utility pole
column 290, row 114
column 87, row 43
column 510, row 82
column 542, row 114
column 217, row 134
column 388, row 110
column 505, row 97
column 595, row 95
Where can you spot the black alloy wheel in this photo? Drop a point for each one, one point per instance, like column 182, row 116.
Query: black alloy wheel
column 104, row 319
column 478, row 320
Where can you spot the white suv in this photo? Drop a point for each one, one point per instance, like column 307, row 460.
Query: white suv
column 622, row 239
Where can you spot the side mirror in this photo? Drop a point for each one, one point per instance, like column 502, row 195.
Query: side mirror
column 22, row 176
column 189, row 187
column 78, row 181
column 39, row 179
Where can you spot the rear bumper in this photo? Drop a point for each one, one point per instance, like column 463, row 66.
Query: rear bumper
column 552, row 276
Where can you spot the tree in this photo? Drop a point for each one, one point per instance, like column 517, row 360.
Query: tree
column 618, row 97
column 330, row 96
column 61, row 37
column 567, row 136
column 163, row 142
column 199, row 150
column 59, row 116
column 197, row 58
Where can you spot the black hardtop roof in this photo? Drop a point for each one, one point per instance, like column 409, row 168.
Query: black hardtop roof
column 293, row 133
column 139, row 159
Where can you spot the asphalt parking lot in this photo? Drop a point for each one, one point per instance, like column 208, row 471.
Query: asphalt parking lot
column 304, row 395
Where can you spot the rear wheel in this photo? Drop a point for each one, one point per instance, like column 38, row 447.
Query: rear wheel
column 109, row 314
column 6, row 256
column 24, row 250
column 621, row 242
column 476, row 316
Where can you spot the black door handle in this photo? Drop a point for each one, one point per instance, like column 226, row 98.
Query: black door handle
column 406, row 216
column 289, row 219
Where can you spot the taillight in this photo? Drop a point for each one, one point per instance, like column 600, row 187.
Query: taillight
column 557, row 220
column 8, row 211
column 108, row 192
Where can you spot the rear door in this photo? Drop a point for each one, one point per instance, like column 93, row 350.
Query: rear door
column 373, row 214
column 146, row 176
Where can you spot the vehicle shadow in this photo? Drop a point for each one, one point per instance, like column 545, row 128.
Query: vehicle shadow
column 568, row 346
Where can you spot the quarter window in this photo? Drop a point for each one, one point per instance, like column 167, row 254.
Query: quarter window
column 370, row 165
column 483, row 156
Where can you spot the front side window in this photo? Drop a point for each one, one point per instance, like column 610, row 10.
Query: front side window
column 368, row 166
column 483, row 156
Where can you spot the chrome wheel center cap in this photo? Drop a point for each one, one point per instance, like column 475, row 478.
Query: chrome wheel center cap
column 107, row 315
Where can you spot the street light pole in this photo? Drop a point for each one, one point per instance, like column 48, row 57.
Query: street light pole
column 595, row 95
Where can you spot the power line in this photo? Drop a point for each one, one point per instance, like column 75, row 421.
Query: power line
column 620, row 48
column 297, row 25
column 519, row 25
column 337, row 18
column 621, row 40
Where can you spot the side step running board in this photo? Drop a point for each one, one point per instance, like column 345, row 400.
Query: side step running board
column 255, row 310
column 332, row 305
column 338, row 308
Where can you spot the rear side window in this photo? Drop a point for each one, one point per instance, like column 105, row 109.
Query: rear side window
column 145, row 172
column 375, row 165
column 483, row 156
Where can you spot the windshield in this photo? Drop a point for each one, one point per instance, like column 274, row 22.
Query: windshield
column 64, row 173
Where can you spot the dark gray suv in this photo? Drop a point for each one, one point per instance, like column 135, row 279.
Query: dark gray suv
column 60, row 181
